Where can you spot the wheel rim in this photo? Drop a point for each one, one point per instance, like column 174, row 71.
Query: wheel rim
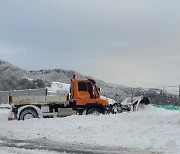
column 95, row 112
column 28, row 116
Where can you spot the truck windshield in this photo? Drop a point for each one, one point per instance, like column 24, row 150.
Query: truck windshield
column 82, row 86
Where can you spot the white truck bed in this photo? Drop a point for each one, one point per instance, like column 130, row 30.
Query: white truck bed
column 18, row 100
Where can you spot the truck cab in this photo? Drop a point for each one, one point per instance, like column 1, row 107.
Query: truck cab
column 85, row 96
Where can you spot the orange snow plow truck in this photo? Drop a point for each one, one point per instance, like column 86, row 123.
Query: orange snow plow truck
column 83, row 98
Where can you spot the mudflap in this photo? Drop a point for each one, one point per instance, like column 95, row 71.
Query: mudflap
column 11, row 115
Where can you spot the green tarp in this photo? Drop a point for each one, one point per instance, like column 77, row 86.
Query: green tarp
column 168, row 107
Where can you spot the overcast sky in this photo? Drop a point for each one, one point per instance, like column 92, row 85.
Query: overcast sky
column 130, row 42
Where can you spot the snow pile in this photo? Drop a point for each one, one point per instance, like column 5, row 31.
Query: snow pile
column 111, row 101
column 5, row 106
column 57, row 86
column 149, row 129
column 4, row 113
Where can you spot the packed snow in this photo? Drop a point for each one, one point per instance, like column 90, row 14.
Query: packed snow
column 111, row 101
column 152, row 129
column 5, row 150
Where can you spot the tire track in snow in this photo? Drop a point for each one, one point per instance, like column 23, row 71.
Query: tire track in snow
column 44, row 144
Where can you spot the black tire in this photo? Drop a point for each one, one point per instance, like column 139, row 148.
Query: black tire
column 94, row 111
column 80, row 112
column 28, row 113
column 145, row 101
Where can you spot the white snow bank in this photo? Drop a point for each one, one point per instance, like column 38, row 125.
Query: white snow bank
column 4, row 113
column 149, row 129
column 5, row 106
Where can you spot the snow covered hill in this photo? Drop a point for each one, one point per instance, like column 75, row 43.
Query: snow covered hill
column 14, row 78
column 151, row 129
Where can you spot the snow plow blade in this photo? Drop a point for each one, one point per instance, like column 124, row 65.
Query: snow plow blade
column 130, row 104
column 135, row 103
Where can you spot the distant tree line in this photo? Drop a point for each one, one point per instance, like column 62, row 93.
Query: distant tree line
column 163, row 98
column 160, row 98
column 13, row 83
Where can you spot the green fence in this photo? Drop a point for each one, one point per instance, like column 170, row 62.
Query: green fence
column 168, row 107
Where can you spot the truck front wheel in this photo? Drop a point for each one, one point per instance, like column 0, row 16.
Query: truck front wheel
column 28, row 113
column 94, row 111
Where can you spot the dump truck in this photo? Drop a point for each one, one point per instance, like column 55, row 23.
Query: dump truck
column 83, row 98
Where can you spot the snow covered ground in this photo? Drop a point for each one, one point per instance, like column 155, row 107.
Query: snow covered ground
column 5, row 150
column 150, row 129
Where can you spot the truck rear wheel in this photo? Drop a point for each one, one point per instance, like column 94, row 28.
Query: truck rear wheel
column 28, row 113
column 94, row 111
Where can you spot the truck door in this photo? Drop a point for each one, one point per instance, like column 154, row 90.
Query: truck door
column 85, row 93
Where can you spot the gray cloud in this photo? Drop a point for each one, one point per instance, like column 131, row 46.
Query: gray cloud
column 127, row 42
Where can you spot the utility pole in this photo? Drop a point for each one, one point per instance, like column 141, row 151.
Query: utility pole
column 163, row 95
column 179, row 94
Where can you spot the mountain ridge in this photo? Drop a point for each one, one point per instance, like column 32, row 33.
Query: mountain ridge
column 15, row 78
